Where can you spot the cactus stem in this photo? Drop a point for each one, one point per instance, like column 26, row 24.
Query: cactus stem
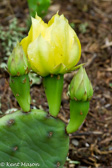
column 78, row 112
column 21, row 91
column 53, row 90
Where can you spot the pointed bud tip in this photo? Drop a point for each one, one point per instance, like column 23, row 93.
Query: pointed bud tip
column 18, row 62
column 80, row 87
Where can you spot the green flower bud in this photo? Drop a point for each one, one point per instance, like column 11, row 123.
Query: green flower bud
column 18, row 62
column 80, row 91
column 19, row 81
column 80, row 88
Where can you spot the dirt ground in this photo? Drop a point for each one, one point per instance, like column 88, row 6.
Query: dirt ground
column 91, row 145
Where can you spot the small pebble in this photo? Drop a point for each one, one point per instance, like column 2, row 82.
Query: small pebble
column 75, row 142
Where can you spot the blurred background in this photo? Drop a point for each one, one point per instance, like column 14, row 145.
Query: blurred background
column 91, row 145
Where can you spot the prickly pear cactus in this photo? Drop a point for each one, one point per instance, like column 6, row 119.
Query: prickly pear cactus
column 33, row 138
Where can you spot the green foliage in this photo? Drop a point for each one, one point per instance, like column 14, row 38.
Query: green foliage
column 3, row 66
column 110, row 84
column 38, row 6
column 9, row 37
column 83, row 27
column 33, row 138
column 72, row 161
column 34, row 78
column 72, row 25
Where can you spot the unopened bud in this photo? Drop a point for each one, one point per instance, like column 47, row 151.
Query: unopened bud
column 80, row 88
column 18, row 62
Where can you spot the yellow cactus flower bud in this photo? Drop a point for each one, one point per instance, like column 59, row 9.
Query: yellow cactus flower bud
column 52, row 48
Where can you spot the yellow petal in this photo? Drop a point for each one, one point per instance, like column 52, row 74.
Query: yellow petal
column 40, row 56
column 38, row 27
column 51, row 21
column 58, row 69
column 37, row 17
column 74, row 52
column 54, row 48
column 57, row 36
column 25, row 41
column 67, row 49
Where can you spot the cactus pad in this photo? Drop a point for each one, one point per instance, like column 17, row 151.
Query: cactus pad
column 33, row 138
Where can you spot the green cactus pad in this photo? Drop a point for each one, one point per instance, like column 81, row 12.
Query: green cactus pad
column 33, row 138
